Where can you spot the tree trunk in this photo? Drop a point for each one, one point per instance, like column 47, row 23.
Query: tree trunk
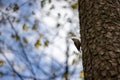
column 100, row 38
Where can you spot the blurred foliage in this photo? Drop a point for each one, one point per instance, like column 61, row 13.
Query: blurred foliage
column 38, row 44
column 46, row 43
column 35, row 27
column 25, row 40
column 65, row 75
column 2, row 62
column 74, row 5
column 25, row 27
column 82, row 74
column 16, row 7
column 16, row 37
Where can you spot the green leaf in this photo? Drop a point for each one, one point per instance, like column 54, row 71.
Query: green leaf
column 82, row 74
column 74, row 5
column 25, row 27
column 25, row 40
column 38, row 44
column 16, row 7
column 65, row 75
column 35, row 27
column 15, row 37
column 71, row 34
column 42, row 3
column 2, row 62
column 46, row 43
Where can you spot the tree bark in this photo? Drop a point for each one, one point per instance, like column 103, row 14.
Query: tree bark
column 100, row 38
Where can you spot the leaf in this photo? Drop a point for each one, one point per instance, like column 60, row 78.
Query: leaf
column 64, row 6
column 71, row 34
column 19, row 68
column 52, row 7
column 2, row 62
column 58, row 25
column 49, row 1
column 46, row 43
column 65, row 75
column 15, row 36
column 74, row 5
column 35, row 27
column 82, row 74
column 25, row 40
column 16, row 7
column 42, row 3
column 37, row 44
column 59, row 15
column 25, row 27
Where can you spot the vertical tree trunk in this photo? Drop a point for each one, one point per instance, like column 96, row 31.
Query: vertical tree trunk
column 100, row 38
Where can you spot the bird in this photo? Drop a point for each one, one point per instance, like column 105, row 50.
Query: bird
column 77, row 43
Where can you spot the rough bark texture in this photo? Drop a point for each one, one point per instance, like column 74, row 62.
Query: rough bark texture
column 100, row 38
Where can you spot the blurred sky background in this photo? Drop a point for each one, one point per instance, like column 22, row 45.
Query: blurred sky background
column 35, row 40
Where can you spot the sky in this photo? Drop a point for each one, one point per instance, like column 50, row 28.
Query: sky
column 53, row 25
